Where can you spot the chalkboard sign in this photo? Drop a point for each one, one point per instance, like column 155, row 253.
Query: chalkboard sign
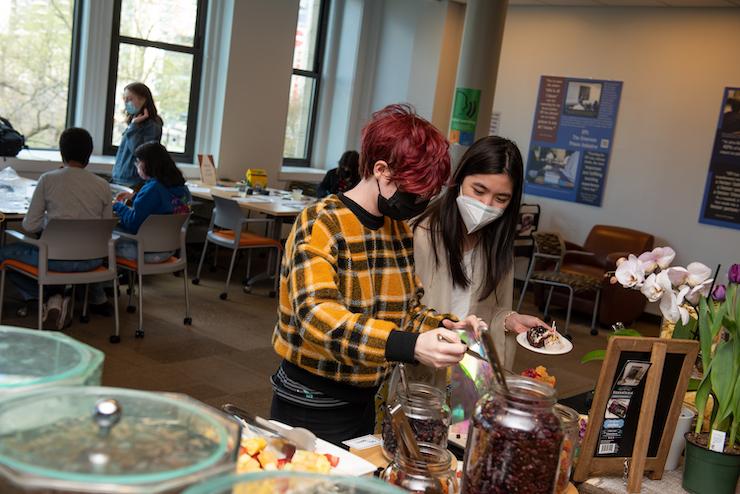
column 636, row 406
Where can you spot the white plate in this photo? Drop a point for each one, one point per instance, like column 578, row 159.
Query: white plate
column 565, row 345
column 349, row 464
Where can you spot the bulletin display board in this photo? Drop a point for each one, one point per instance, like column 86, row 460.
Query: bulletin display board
column 636, row 406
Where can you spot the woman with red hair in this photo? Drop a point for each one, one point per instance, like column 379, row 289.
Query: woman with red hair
column 349, row 299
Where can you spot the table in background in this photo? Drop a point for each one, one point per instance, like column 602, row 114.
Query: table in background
column 17, row 214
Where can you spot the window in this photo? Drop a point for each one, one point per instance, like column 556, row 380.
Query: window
column 304, row 85
column 37, row 47
column 158, row 43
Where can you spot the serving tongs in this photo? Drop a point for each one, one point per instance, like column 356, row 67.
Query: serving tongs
column 486, row 339
column 407, row 441
column 298, row 436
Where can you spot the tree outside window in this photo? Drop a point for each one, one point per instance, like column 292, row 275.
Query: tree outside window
column 36, row 40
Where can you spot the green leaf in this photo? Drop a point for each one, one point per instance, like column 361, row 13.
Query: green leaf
column 717, row 320
column 705, row 335
column 593, row 355
column 735, row 413
column 693, row 385
column 684, row 331
column 724, row 378
column 702, row 394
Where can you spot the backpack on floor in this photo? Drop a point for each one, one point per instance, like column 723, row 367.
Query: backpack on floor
column 11, row 141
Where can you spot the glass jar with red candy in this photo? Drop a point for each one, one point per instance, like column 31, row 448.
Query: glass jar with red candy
column 514, row 441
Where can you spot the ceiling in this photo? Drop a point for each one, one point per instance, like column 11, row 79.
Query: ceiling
column 630, row 3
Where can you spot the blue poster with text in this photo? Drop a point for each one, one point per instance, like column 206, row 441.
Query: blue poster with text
column 721, row 204
column 572, row 138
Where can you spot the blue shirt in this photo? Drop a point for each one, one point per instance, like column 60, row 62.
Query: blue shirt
column 124, row 171
column 153, row 198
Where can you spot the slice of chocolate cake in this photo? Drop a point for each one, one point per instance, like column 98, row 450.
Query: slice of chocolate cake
column 536, row 336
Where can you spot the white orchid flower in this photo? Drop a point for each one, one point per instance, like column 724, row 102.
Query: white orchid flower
column 664, row 256
column 656, row 286
column 677, row 275
column 629, row 273
column 671, row 306
column 698, row 274
column 648, row 263
column 700, row 290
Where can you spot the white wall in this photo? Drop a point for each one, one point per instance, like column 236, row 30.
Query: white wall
column 674, row 64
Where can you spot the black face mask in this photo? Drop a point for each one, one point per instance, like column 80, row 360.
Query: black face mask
column 401, row 205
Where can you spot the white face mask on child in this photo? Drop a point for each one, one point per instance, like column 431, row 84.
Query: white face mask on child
column 475, row 214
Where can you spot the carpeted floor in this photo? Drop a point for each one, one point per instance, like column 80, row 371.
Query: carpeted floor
column 225, row 356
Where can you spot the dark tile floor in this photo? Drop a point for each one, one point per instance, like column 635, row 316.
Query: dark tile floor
column 226, row 356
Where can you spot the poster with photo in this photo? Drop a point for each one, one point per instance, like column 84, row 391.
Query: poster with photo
column 616, row 437
column 572, row 138
column 721, row 203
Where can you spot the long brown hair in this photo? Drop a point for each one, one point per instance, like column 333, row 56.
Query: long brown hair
column 489, row 155
column 142, row 91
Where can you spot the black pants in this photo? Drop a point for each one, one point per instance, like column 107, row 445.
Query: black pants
column 330, row 424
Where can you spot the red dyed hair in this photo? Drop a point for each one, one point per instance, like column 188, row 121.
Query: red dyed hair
column 416, row 152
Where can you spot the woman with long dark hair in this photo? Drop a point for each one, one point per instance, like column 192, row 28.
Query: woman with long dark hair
column 144, row 125
column 464, row 242
column 164, row 192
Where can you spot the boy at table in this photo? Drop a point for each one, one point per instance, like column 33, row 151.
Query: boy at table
column 69, row 192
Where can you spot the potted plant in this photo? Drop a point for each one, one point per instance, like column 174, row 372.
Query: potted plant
column 683, row 292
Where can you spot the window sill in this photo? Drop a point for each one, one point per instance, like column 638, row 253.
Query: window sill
column 37, row 161
column 301, row 174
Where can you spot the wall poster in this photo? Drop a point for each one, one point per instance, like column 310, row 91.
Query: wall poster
column 721, row 204
column 572, row 138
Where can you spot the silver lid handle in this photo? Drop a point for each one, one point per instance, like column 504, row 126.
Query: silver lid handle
column 107, row 414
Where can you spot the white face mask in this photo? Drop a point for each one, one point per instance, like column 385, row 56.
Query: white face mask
column 475, row 214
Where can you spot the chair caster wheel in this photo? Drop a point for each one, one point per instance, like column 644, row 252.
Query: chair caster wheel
column 130, row 309
column 247, row 289
column 139, row 333
column 594, row 332
column 223, row 296
column 114, row 339
column 273, row 294
column 84, row 319
column 188, row 321
column 196, row 281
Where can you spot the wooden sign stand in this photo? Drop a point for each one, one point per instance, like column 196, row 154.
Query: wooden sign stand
column 657, row 349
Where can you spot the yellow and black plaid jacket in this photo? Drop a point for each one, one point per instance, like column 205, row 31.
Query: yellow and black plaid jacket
column 344, row 289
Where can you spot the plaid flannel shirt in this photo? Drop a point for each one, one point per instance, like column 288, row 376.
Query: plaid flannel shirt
column 343, row 289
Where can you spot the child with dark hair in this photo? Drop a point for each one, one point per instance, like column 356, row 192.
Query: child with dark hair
column 70, row 192
column 343, row 177
column 164, row 192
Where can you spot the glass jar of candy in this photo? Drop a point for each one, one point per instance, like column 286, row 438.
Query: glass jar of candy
column 431, row 475
column 428, row 414
column 569, row 420
column 514, row 441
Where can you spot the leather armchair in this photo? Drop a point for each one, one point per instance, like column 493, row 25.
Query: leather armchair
column 597, row 256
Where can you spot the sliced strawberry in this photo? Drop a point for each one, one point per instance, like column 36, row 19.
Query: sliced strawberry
column 333, row 460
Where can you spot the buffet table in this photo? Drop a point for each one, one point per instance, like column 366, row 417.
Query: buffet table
column 670, row 483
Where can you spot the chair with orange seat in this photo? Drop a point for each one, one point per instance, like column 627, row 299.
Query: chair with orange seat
column 68, row 240
column 227, row 230
column 158, row 233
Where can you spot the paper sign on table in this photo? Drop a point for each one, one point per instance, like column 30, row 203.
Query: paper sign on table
column 207, row 169
column 363, row 442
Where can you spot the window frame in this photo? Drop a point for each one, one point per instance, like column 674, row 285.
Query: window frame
column 315, row 74
column 195, row 77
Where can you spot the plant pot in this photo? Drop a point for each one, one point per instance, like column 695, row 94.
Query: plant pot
column 677, row 444
column 709, row 472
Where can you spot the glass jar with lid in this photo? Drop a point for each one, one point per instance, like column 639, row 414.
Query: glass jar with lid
column 426, row 408
column 32, row 359
column 569, row 419
column 94, row 439
column 432, row 475
column 514, row 441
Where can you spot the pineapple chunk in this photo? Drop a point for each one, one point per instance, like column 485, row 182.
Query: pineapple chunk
column 254, row 445
column 307, row 461
column 247, row 464
column 266, row 458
